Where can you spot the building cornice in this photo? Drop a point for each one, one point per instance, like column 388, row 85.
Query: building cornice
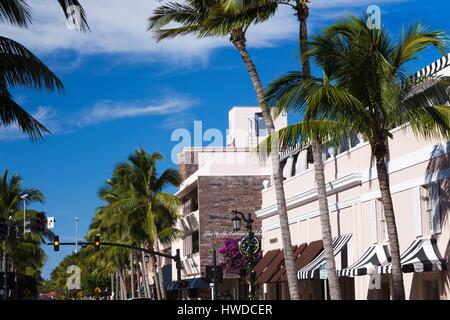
column 333, row 187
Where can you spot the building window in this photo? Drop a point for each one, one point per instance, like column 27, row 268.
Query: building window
column 187, row 245
column 191, row 244
column 195, row 242
column 426, row 199
column 382, row 225
column 260, row 125
column 190, row 203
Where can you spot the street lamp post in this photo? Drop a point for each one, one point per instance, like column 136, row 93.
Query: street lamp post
column 24, row 198
column 249, row 245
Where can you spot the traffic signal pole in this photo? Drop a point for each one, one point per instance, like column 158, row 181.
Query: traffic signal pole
column 177, row 259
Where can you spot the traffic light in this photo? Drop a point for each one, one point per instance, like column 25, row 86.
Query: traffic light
column 56, row 243
column 209, row 274
column 97, row 242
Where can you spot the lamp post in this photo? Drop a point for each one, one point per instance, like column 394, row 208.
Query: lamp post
column 249, row 245
column 24, row 198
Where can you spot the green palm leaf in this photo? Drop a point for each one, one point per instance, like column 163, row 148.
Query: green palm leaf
column 15, row 12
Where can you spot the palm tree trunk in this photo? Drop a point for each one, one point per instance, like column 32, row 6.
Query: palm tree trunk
column 138, row 283
column 156, row 278
column 125, row 273
column 132, row 275
column 380, row 152
column 239, row 41
column 335, row 292
column 117, row 295
column 153, row 237
column 302, row 16
column 16, row 282
column 159, row 275
column 112, row 286
column 123, row 281
column 146, row 295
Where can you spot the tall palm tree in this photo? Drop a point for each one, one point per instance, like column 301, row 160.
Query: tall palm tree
column 298, row 92
column 19, row 67
column 301, row 9
column 25, row 254
column 210, row 18
column 369, row 67
column 138, row 204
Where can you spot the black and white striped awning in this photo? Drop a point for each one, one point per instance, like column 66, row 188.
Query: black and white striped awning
column 421, row 256
column 311, row 270
column 374, row 257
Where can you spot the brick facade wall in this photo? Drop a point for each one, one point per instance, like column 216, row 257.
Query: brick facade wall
column 187, row 164
column 217, row 197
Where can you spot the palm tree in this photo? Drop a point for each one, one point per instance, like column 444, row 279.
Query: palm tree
column 25, row 254
column 370, row 95
column 301, row 10
column 211, row 18
column 298, row 92
column 19, row 67
column 139, row 208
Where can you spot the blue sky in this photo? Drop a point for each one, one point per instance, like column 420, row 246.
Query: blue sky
column 124, row 91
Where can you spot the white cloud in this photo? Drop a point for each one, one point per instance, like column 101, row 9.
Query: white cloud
column 119, row 27
column 105, row 111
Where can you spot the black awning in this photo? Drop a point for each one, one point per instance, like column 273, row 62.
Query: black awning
column 195, row 283
column 198, row 283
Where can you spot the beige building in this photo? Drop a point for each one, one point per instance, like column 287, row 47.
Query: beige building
column 419, row 172
column 217, row 180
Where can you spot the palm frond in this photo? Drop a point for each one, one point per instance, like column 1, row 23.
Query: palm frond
column 13, row 114
column 20, row 67
column 67, row 6
column 413, row 41
column 15, row 12
column 304, row 133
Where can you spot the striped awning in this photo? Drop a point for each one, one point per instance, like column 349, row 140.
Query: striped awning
column 374, row 257
column 421, row 256
column 311, row 270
